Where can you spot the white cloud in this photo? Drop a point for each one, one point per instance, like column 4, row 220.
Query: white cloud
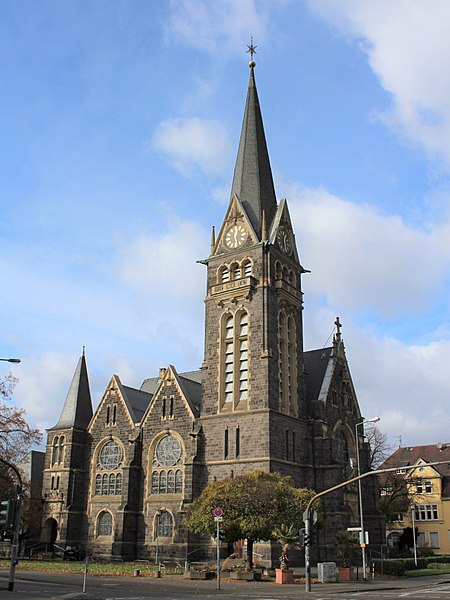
column 218, row 27
column 407, row 385
column 408, row 48
column 192, row 144
column 363, row 260
column 164, row 266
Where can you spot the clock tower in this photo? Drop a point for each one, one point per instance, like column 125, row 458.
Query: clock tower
column 254, row 412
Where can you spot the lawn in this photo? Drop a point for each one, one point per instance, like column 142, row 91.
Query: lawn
column 95, row 568
column 422, row 572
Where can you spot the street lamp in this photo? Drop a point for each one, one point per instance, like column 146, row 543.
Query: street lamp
column 13, row 360
column 362, row 538
column 413, row 511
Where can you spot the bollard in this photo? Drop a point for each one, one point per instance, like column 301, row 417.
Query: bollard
column 137, row 572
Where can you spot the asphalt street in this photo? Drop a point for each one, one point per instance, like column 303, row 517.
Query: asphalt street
column 37, row 586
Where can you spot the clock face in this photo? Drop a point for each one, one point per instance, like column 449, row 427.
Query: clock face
column 235, row 236
column 168, row 451
column 284, row 240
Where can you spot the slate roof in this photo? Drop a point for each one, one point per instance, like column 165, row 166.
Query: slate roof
column 190, row 381
column 410, row 455
column 316, row 363
column 137, row 402
column 252, row 180
column 77, row 409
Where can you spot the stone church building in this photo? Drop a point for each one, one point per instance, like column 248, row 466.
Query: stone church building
column 117, row 481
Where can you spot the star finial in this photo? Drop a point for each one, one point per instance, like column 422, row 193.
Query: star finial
column 252, row 50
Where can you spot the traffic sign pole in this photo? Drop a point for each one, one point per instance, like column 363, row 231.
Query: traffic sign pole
column 218, row 550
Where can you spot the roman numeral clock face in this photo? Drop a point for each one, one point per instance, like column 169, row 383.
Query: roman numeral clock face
column 284, row 240
column 235, row 236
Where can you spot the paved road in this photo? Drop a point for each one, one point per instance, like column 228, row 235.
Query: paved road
column 37, row 586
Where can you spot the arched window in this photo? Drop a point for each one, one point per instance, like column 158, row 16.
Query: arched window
column 164, row 524
column 167, row 453
column 229, row 359
column 342, row 453
column 287, row 363
column 104, row 523
column 178, row 481
column 247, row 268
column 55, row 451
column 62, row 441
column 108, row 478
column 171, row 482
column 224, row 274
column 236, row 271
column 235, row 355
column 243, row 357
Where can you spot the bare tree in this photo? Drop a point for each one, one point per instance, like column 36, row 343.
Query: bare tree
column 379, row 448
column 16, row 435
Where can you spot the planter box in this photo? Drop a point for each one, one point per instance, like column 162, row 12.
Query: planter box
column 200, row 575
column 246, row 575
column 283, row 576
column 345, row 573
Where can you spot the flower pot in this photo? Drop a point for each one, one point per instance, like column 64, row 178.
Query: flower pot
column 345, row 573
column 246, row 575
column 199, row 574
column 284, row 576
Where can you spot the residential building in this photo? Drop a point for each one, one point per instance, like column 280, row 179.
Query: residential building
column 423, row 496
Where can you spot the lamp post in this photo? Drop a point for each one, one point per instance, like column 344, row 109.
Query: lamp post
column 362, row 538
column 413, row 511
column 13, row 360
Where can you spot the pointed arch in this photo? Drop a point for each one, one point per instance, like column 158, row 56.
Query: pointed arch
column 234, row 359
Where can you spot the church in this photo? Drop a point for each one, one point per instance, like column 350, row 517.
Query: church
column 117, row 481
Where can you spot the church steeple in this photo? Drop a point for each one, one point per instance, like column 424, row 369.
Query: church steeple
column 252, row 180
column 77, row 409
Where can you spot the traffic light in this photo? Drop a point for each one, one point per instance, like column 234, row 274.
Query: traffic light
column 7, row 514
column 222, row 534
column 301, row 536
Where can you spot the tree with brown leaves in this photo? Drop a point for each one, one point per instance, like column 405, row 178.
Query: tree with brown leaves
column 16, row 435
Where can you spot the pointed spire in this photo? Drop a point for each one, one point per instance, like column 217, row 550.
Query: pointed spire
column 252, row 180
column 77, row 409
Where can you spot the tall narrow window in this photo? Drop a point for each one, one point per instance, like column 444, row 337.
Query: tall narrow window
column 62, row 441
column 282, row 361
column 292, row 359
column 243, row 357
column 164, row 408
column 229, row 359
column 293, row 447
column 171, row 408
column 225, row 444
column 287, row 444
column 114, row 414
column 235, row 356
column 108, row 411
column 238, row 442
column 55, row 451
column 236, row 272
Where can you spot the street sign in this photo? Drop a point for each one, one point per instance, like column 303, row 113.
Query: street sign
column 218, row 519
column 314, row 516
column 218, row 512
column 354, row 529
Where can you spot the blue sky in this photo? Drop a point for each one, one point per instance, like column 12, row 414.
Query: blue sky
column 119, row 126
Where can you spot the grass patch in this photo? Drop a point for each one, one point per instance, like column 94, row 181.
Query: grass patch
column 74, row 567
column 422, row 572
